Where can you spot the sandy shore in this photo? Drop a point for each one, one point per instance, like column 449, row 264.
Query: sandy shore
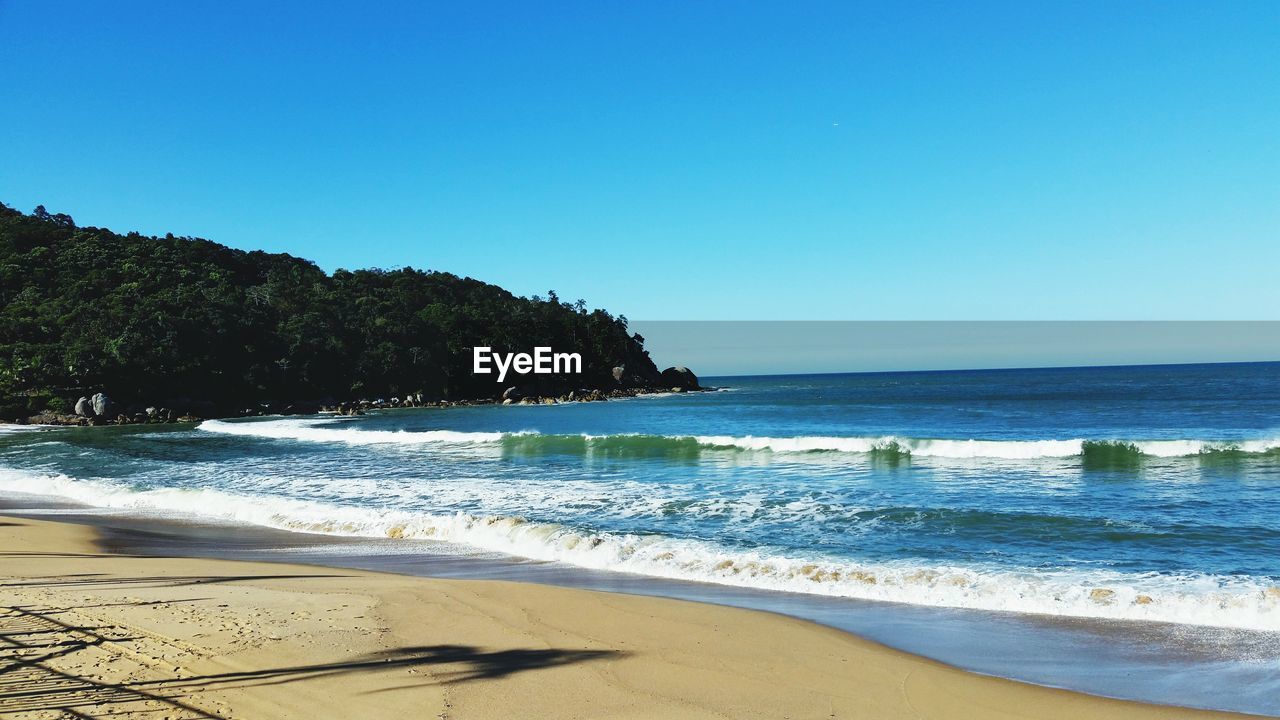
column 83, row 633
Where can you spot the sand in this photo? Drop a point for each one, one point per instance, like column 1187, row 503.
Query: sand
column 87, row 634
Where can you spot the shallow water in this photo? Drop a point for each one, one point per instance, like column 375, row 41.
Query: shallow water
column 1215, row 668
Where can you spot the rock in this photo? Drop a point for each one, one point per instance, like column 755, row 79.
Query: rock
column 619, row 373
column 84, row 408
column 101, row 404
column 511, row 393
column 1102, row 596
column 681, row 377
column 508, row 401
column 1143, row 600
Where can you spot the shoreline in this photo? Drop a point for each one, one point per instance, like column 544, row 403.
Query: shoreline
column 231, row 638
column 165, row 416
column 1146, row 662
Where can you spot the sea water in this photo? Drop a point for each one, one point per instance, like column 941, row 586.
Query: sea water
column 1146, row 494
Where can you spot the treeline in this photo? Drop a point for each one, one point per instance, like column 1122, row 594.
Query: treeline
column 174, row 319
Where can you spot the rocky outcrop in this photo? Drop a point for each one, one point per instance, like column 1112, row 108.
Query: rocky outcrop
column 636, row 376
column 629, row 378
column 678, row 378
column 97, row 406
column 102, row 405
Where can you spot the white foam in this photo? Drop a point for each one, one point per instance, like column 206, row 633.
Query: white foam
column 325, row 431
column 996, row 449
column 1006, row 449
column 1184, row 448
column 8, row 428
column 332, row 430
column 1196, row 599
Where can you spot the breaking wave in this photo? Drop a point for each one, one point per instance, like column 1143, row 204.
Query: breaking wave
column 313, row 431
column 1189, row 598
column 532, row 442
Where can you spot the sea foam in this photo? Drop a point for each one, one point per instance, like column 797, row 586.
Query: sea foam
column 331, row 431
column 1188, row 598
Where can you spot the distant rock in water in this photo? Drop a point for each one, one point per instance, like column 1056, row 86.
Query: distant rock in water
column 678, row 377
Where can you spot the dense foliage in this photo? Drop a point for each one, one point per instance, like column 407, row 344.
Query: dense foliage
column 149, row 319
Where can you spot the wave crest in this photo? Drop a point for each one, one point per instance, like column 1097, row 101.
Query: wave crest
column 1106, row 451
column 1196, row 599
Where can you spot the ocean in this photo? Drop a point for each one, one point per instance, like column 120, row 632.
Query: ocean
column 1143, row 495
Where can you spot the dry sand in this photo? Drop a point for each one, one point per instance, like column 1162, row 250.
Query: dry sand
column 87, row 634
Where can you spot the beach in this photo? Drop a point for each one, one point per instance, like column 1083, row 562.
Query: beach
column 1107, row 531
column 91, row 632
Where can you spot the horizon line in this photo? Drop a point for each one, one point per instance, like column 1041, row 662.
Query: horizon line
column 998, row 369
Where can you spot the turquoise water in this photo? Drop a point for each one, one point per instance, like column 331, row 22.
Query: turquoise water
column 1145, row 493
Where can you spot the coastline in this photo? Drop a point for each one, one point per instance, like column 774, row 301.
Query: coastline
column 221, row 638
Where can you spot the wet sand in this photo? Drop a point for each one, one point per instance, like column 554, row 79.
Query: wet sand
column 88, row 631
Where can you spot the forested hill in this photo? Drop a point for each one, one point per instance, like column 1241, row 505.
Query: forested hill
column 175, row 320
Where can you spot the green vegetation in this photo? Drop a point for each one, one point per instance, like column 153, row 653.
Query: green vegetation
column 172, row 320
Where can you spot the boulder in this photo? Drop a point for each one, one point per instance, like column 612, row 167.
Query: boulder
column 511, row 393
column 84, row 408
column 679, row 377
column 101, row 404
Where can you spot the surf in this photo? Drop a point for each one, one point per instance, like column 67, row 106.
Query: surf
column 1103, row 450
column 1186, row 598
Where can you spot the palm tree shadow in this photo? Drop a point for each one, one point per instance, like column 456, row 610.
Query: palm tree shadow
column 32, row 637
column 450, row 664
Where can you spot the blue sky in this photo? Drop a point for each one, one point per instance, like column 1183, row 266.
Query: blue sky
column 684, row 160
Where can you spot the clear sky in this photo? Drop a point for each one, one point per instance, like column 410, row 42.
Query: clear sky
column 683, row 160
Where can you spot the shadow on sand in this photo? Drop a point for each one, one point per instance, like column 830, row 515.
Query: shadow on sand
column 35, row 641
